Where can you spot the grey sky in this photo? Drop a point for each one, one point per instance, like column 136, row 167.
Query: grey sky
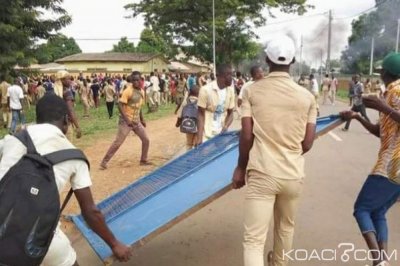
column 93, row 19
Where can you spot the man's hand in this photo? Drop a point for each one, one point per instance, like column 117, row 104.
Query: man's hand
column 129, row 123
column 121, row 252
column 376, row 103
column 348, row 115
column 224, row 129
column 199, row 141
column 78, row 133
column 238, row 179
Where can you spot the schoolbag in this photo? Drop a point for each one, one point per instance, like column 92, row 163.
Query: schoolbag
column 30, row 205
column 189, row 117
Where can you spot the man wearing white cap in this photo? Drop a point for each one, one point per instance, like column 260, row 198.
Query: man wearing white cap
column 278, row 127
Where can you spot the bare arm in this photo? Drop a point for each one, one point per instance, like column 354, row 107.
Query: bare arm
column 246, row 140
column 96, row 222
column 372, row 128
column 121, row 111
column 308, row 141
column 73, row 118
column 200, row 125
column 228, row 120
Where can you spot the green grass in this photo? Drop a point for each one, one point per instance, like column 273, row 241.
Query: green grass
column 98, row 124
column 343, row 94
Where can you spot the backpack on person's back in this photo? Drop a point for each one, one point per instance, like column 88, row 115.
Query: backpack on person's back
column 30, row 204
column 189, row 117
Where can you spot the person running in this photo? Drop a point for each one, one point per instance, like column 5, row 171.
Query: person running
column 49, row 136
column 131, row 119
column 314, row 89
column 216, row 103
column 382, row 187
column 302, row 81
column 358, row 105
column 271, row 153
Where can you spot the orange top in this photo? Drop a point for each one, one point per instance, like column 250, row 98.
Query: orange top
column 133, row 100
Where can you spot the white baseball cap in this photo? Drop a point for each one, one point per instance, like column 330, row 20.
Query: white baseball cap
column 281, row 50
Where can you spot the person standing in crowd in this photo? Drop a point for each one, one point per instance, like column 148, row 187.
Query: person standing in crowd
column 271, row 153
column 85, row 96
column 131, row 119
column 65, row 79
column 4, row 104
column 314, row 89
column 216, row 103
column 15, row 98
column 191, row 81
column 154, row 92
column 239, row 82
column 333, row 89
column 191, row 138
column 302, row 81
column 381, row 190
column 49, row 136
column 180, row 91
column 40, row 91
column 110, row 97
column 368, row 86
column 257, row 73
column 358, row 105
column 351, row 90
column 326, row 84
column 95, row 87
column 163, row 89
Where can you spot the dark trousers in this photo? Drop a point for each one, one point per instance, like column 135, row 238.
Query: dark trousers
column 359, row 109
column 110, row 108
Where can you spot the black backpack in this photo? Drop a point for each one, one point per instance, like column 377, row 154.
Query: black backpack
column 189, row 117
column 30, row 205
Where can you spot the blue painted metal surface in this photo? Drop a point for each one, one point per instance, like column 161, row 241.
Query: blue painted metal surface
column 169, row 192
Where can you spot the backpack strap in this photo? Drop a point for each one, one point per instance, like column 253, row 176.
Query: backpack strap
column 62, row 156
column 24, row 137
column 65, row 155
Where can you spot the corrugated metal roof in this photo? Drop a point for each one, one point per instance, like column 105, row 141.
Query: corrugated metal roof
column 108, row 57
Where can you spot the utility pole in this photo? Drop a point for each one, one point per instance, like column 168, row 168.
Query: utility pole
column 320, row 68
column 328, row 58
column 301, row 56
column 398, row 33
column 214, row 57
column 372, row 56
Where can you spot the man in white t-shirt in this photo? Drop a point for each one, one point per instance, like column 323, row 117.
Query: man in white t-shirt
column 216, row 103
column 49, row 136
column 15, row 96
column 154, row 95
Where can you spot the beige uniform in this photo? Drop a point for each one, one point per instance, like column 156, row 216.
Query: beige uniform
column 280, row 110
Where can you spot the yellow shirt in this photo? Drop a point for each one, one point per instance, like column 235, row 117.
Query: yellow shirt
column 133, row 100
column 388, row 164
column 280, row 109
column 4, row 87
column 209, row 99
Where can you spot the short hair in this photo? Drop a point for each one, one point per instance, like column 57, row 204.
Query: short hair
column 253, row 69
column 50, row 108
column 136, row 73
column 223, row 68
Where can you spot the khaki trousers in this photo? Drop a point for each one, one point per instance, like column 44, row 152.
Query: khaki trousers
column 268, row 197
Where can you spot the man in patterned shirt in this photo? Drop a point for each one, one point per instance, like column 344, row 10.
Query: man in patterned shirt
column 131, row 119
column 382, row 187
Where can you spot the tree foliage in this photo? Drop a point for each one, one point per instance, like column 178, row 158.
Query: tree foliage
column 152, row 42
column 190, row 21
column 380, row 24
column 21, row 24
column 57, row 47
column 124, row 46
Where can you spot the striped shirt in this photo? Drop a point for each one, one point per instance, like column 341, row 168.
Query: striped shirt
column 388, row 164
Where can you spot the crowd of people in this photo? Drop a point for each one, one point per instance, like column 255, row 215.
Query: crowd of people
column 270, row 162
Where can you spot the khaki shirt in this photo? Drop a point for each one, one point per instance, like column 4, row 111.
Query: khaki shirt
column 209, row 99
column 3, row 89
column 110, row 93
column 280, row 109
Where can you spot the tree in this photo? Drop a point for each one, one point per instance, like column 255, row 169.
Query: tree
column 57, row 47
column 380, row 24
column 124, row 46
column 151, row 42
column 190, row 21
column 22, row 24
